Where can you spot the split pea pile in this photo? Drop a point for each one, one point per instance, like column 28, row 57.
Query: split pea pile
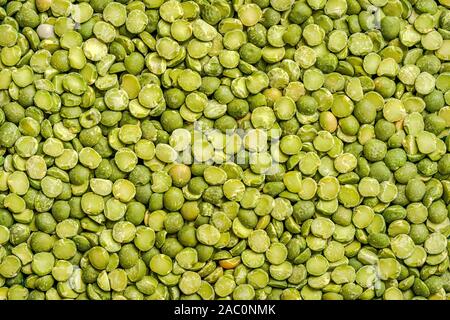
column 217, row 149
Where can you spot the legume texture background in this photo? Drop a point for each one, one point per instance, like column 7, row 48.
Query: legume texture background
column 215, row 149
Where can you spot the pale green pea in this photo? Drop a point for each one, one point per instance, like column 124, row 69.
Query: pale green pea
column 426, row 142
column 345, row 162
column 362, row 216
column 328, row 188
column 349, row 196
column 424, row 83
column 125, row 159
column 89, row 158
column 369, row 187
column 435, row 243
column 124, row 190
column 388, row 192
column 276, row 253
column 402, row 246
